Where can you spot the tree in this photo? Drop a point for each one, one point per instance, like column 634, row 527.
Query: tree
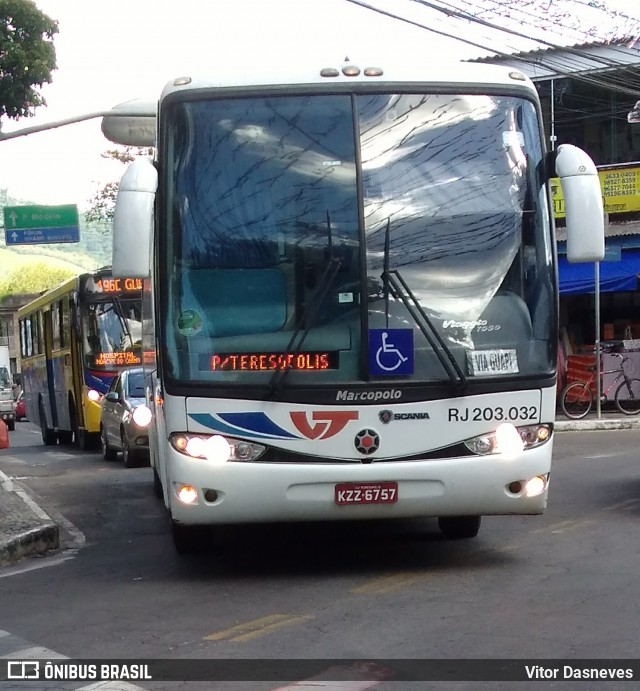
column 33, row 278
column 102, row 204
column 27, row 56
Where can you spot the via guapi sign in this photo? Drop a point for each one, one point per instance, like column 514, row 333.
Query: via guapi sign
column 34, row 225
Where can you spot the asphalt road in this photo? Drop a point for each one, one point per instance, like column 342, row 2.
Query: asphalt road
column 558, row 586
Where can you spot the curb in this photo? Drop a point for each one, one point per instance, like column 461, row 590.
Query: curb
column 25, row 529
column 35, row 541
column 597, row 424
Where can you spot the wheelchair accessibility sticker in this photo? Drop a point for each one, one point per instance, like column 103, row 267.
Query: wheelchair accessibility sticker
column 390, row 352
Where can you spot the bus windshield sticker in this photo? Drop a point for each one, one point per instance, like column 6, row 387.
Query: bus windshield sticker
column 513, row 139
column 189, row 323
column 487, row 362
column 390, row 352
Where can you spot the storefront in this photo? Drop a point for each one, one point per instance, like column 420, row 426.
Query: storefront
column 619, row 298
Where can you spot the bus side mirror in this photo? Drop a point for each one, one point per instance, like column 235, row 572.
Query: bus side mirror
column 133, row 220
column 583, row 204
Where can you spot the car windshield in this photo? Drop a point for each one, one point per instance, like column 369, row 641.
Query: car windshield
column 135, row 385
column 444, row 192
column 5, row 378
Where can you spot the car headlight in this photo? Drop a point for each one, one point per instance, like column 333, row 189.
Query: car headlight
column 509, row 440
column 142, row 415
column 216, row 448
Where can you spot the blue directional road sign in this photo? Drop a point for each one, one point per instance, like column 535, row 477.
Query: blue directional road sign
column 37, row 225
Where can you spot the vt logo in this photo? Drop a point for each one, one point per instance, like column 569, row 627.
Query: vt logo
column 328, row 423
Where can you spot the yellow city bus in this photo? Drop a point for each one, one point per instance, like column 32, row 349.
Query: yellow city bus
column 73, row 340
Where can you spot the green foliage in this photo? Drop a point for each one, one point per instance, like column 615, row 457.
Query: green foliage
column 34, row 278
column 27, row 56
column 103, row 203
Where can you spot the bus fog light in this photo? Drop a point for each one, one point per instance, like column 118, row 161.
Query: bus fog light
column 217, row 449
column 187, row 494
column 142, row 415
column 536, row 486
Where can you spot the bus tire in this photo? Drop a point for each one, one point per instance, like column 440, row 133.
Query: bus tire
column 459, row 527
column 186, row 538
column 157, row 485
column 49, row 437
column 80, row 438
column 11, row 425
column 77, row 434
column 65, row 437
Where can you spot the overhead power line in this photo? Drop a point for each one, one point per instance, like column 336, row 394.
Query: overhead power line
column 556, row 72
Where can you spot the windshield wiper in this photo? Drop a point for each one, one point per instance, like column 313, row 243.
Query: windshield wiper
column 124, row 322
column 309, row 314
column 307, row 320
column 397, row 286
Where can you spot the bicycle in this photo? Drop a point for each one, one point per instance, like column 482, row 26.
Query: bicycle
column 576, row 399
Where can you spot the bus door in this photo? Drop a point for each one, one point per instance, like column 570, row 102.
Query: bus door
column 51, row 373
column 77, row 362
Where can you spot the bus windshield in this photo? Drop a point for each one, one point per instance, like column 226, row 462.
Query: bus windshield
column 112, row 333
column 392, row 232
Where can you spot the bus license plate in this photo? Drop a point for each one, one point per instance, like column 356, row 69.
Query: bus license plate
column 366, row 493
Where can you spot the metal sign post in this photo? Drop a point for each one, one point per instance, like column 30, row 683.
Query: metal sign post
column 597, row 342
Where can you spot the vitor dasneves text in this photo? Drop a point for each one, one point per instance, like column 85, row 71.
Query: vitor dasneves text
column 572, row 672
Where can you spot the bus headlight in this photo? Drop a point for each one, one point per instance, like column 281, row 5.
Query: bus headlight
column 93, row 395
column 215, row 448
column 509, row 440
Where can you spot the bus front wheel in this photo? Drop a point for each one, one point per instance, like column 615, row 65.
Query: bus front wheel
column 157, row 485
column 187, row 539
column 459, row 527
column 49, row 437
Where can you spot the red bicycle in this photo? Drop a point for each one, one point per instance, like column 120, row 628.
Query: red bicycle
column 576, row 399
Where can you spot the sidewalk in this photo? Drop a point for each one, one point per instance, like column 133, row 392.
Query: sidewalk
column 609, row 419
column 26, row 530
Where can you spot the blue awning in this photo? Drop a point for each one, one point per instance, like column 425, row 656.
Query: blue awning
column 578, row 279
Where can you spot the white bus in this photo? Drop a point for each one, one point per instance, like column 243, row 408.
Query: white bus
column 351, row 291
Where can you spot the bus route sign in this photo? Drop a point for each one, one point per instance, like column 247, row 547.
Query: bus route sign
column 34, row 225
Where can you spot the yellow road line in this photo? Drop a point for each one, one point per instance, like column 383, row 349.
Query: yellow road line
column 387, row 584
column 258, row 627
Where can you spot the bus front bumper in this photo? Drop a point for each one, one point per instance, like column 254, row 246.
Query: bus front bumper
column 275, row 492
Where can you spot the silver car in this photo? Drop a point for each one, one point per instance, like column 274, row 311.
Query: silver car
column 118, row 429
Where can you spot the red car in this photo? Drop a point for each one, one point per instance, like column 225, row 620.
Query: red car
column 21, row 410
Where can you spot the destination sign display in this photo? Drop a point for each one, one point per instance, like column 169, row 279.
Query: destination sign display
column 106, row 285
column 116, row 359
column 266, row 362
column 119, row 285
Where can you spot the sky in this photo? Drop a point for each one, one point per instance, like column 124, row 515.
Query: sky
column 111, row 52
column 115, row 51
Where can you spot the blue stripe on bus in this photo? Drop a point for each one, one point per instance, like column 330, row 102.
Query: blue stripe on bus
column 100, row 381
column 250, row 424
